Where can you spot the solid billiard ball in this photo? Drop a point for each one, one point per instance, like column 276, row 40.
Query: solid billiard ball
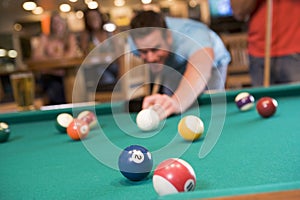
column 4, row 132
column 266, row 106
column 62, row 122
column 190, row 127
column 89, row 117
column 78, row 129
column 135, row 162
column 147, row 119
column 172, row 176
column 244, row 101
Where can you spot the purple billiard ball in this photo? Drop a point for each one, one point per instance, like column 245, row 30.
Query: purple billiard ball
column 135, row 162
column 244, row 101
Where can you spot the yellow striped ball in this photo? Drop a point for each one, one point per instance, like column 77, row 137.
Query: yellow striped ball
column 191, row 128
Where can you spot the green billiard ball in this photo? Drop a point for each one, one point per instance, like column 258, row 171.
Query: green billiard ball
column 62, row 122
column 4, row 132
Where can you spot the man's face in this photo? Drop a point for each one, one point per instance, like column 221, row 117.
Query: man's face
column 153, row 49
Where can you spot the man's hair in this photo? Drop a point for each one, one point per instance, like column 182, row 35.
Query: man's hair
column 147, row 19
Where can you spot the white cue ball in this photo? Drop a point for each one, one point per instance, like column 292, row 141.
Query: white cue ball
column 147, row 119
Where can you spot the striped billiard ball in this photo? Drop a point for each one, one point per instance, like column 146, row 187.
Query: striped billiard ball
column 190, row 127
column 62, row 122
column 244, row 101
column 89, row 117
column 4, row 132
column 172, row 176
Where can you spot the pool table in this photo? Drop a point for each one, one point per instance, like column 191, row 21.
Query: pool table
column 240, row 155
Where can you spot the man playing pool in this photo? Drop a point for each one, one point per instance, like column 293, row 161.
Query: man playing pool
column 173, row 47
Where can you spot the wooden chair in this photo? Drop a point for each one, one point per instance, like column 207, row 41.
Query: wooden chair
column 238, row 70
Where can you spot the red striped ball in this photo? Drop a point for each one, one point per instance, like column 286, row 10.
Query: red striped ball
column 172, row 176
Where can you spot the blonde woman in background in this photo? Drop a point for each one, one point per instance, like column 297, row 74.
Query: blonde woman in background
column 60, row 43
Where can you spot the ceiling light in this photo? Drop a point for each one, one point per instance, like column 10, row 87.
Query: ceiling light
column 109, row 27
column 93, row 5
column 79, row 14
column 146, row 1
column 193, row 3
column 87, row 1
column 17, row 27
column 119, row 3
column 12, row 53
column 29, row 5
column 2, row 52
column 65, row 7
column 73, row 1
column 38, row 10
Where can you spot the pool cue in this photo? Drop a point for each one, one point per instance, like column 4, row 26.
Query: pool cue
column 268, row 38
column 156, row 84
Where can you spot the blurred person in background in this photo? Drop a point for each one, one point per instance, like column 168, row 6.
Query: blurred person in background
column 285, row 39
column 59, row 44
column 95, row 39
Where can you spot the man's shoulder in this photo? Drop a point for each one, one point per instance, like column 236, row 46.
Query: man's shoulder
column 189, row 28
column 173, row 22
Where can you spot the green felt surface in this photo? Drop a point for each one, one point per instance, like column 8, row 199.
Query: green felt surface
column 251, row 155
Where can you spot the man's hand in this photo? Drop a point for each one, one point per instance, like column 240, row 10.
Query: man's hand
column 163, row 104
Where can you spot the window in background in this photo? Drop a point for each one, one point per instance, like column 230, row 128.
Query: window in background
column 221, row 17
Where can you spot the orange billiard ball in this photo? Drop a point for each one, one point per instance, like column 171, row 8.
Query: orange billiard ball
column 78, row 129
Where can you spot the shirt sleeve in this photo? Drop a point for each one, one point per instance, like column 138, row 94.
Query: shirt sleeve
column 189, row 36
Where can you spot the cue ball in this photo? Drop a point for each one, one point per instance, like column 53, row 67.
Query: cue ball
column 62, row 122
column 147, row 119
column 4, row 132
column 266, row 106
column 78, row 129
column 190, row 128
column 172, row 176
column 135, row 162
column 244, row 101
column 89, row 117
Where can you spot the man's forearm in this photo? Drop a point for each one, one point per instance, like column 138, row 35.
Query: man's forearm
column 195, row 78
